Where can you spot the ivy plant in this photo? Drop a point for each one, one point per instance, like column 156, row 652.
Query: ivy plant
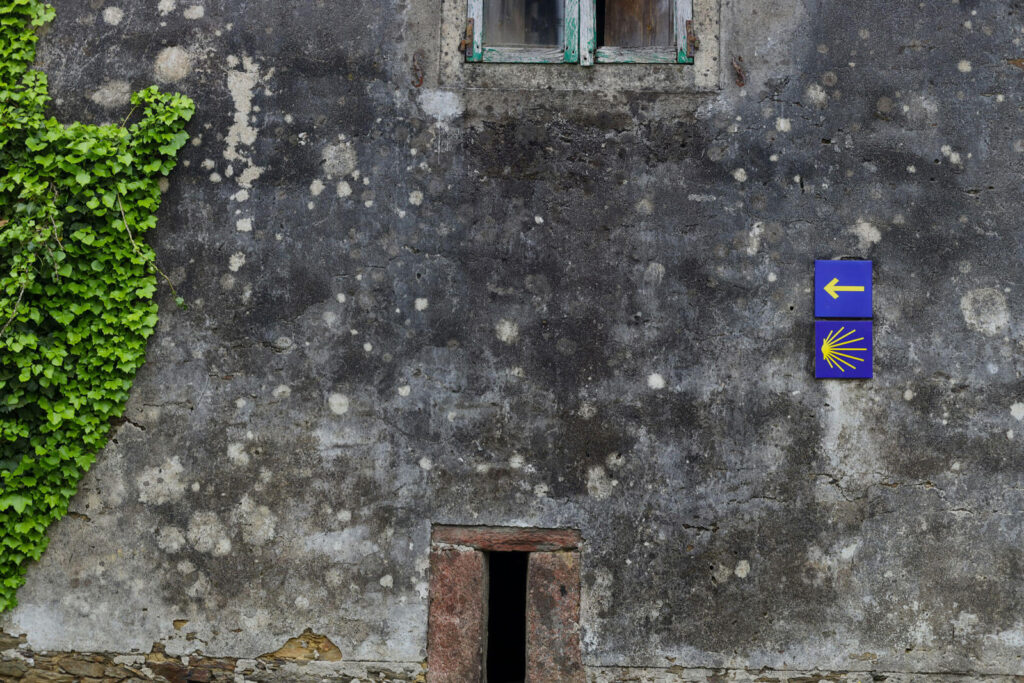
column 76, row 282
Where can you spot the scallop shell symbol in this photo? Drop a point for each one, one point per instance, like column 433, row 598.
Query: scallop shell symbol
column 836, row 348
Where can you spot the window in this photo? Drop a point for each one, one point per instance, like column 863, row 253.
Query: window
column 580, row 31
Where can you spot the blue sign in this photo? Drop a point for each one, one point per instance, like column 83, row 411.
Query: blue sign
column 843, row 349
column 842, row 289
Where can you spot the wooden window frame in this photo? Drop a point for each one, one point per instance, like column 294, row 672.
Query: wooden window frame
column 581, row 40
column 569, row 53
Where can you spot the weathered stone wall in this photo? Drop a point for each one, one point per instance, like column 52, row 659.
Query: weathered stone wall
column 483, row 301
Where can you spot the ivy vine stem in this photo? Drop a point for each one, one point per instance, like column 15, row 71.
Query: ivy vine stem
column 14, row 311
column 152, row 264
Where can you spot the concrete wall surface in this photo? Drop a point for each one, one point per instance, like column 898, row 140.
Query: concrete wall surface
column 422, row 292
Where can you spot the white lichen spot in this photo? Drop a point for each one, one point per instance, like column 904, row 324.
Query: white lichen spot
column 1017, row 410
column 654, row 273
column 441, row 105
column 404, row 390
column 816, row 95
column 908, row 395
column 237, row 454
column 301, row 602
column 194, row 12
column 421, row 304
column 742, row 569
column 170, row 539
column 415, row 197
column 113, row 15
column 282, row 391
column 740, row 175
column 964, row 66
column 387, row 581
column 953, row 156
column 655, row 381
column 166, row 6
column 367, row 347
column 507, row 331
column 338, row 403
column 316, row 187
column 241, row 84
column 754, row 238
column 172, row 64
column 911, row 169
column 340, row 296
column 516, row 462
column 112, row 94
column 163, row 484
column 599, row 485
column 783, row 125
column 243, row 225
column 163, row 184
column 344, row 189
column 206, row 533
column 772, row 277
column 236, row 261
column 215, row 177
column 339, row 160
column 985, row 310
column 867, row 234
column 426, row 464
column 539, row 220
column 257, row 522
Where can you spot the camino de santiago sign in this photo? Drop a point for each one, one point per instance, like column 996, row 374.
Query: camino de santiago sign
column 842, row 289
column 843, row 349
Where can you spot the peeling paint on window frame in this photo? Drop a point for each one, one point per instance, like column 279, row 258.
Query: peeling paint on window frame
column 567, row 54
column 581, row 40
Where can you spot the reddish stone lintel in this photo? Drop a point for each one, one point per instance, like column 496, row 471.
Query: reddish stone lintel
column 457, row 622
column 552, row 619
column 507, row 539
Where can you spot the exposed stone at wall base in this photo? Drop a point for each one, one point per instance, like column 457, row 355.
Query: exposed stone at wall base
column 678, row 674
column 18, row 663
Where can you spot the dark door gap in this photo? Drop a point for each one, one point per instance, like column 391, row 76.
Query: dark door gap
column 506, row 617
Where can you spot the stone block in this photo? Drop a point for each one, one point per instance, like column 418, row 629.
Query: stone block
column 552, row 618
column 507, row 539
column 12, row 669
column 78, row 667
column 456, row 622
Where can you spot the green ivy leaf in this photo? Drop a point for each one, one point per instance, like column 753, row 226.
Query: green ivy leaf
column 76, row 281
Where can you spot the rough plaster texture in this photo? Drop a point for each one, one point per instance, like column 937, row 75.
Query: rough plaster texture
column 584, row 308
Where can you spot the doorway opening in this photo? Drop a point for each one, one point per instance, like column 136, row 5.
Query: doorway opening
column 506, row 617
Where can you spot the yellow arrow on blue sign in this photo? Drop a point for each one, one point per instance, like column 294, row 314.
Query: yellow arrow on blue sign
column 833, row 288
